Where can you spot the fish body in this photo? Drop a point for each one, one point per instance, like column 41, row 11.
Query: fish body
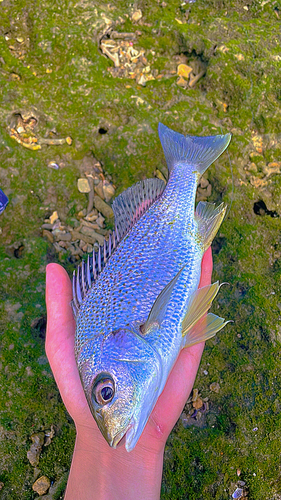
column 137, row 301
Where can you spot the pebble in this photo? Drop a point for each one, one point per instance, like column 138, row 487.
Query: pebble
column 184, row 70
column 54, row 217
column 99, row 190
column 62, row 236
column 238, row 493
column 48, row 235
column 197, row 404
column 83, row 185
column 108, row 190
column 49, row 434
column 136, row 16
column 182, row 82
column 215, row 387
column 41, row 485
column 103, row 207
column 33, row 453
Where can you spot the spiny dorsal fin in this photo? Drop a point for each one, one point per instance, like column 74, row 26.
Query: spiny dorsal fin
column 87, row 273
column 130, row 205
column 209, row 218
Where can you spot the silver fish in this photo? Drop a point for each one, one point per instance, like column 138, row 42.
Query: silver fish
column 137, row 300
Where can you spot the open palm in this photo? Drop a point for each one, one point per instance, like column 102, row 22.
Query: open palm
column 60, row 352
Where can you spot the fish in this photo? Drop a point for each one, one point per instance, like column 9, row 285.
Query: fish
column 136, row 301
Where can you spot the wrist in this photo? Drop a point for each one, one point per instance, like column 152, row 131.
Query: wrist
column 103, row 473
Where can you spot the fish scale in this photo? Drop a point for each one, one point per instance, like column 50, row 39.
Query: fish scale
column 137, row 302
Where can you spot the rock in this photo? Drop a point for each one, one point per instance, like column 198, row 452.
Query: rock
column 108, row 190
column 83, row 185
column 41, row 485
column 88, row 239
column 184, row 70
column 33, row 453
column 61, row 235
column 48, row 235
column 100, row 221
column 182, row 82
column 238, row 493
column 99, row 189
column 197, row 404
column 103, row 207
column 136, row 16
column 49, row 434
column 93, row 215
column 91, row 225
column 54, row 217
column 215, row 387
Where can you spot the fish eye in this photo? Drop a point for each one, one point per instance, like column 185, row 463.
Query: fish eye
column 103, row 389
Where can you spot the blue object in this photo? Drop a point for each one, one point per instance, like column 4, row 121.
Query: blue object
column 4, row 200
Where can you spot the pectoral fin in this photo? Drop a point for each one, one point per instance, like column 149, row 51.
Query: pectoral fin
column 198, row 306
column 160, row 305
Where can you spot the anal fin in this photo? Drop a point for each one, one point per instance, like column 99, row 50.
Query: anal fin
column 205, row 329
column 196, row 325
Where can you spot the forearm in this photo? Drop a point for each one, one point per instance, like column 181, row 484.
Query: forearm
column 100, row 473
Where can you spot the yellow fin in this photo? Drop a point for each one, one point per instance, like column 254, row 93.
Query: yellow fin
column 199, row 304
column 204, row 329
column 209, row 218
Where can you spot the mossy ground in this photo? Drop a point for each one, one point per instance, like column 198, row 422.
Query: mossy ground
column 58, row 70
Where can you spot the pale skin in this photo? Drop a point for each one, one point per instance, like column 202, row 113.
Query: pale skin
column 99, row 472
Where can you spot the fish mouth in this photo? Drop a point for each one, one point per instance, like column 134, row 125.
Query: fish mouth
column 127, row 434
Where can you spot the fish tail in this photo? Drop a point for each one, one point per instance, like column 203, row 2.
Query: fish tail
column 198, row 152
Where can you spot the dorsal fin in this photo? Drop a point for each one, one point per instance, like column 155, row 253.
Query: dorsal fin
column 128, row 207
column 87, row 273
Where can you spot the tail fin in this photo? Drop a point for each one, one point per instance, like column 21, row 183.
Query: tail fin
column 199, row 152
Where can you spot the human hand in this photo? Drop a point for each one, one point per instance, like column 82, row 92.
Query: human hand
column 148, row 453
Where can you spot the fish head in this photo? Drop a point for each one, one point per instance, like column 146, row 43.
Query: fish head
column 121, row 379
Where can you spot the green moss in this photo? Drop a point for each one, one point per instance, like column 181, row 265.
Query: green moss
column 240, row 93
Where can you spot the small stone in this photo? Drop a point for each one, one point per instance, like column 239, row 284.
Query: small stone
column 62, row 236
column 29, row 371
column 102, row 207
column 136, row 16
column 238, row 493
column 49, row 434
column 47, row 226
column 195, row 394
column 48, row 235
column 108, row 190
column 83, row 185
column 197, row 404
column 99, row 189
column 184, row 70
column 100, row 221
column 41, row 485
column 82, row 213
column 93, row 215
column 215, row 387
column 54, row 217
column 1, row 486
column 182, row 82
column 54, row 165
column 33, row 453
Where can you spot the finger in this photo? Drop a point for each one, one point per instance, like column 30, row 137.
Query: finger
column 60, row 324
